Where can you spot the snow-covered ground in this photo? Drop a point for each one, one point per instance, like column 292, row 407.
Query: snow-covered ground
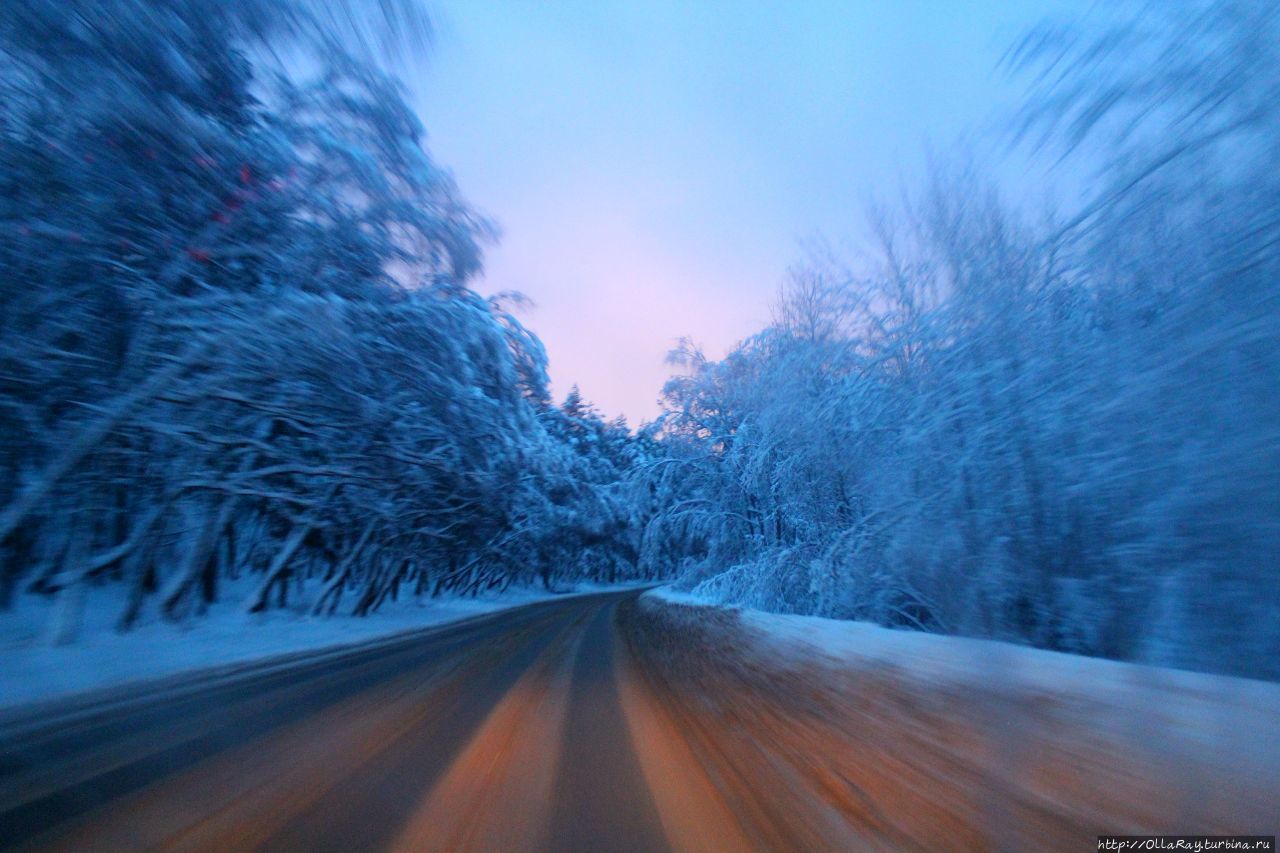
column 33, row 668
column 1200, row 712
column 952, row 743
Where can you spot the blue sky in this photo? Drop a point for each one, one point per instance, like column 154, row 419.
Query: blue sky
column 655, row 167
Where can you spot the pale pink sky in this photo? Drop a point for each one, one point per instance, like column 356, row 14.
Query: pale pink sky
column 655, row 166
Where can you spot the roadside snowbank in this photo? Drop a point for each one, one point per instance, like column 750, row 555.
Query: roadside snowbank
column 33, row 669
column 936, row 742
column 1202, row 712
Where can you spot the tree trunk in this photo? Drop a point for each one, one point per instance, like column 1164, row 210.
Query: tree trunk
column 278, row 568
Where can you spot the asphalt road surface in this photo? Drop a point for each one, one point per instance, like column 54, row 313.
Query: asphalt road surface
column 592, row 724
column 503, row 733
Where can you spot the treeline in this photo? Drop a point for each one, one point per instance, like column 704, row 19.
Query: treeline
column 1059, row 431
column 238, row 342
column 239, row 354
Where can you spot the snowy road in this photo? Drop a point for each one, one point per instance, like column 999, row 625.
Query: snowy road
column 591, row 724
column 453, row 741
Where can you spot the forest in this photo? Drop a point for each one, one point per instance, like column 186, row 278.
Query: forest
column 241, row 346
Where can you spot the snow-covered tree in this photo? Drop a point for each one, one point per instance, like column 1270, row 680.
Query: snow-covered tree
column 238, row 341
column 1057, row 432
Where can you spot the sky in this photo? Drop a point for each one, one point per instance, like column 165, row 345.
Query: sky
column 655, row 167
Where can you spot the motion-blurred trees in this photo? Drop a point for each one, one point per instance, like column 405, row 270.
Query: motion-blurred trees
column 238, row 341
column 1062, row 433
